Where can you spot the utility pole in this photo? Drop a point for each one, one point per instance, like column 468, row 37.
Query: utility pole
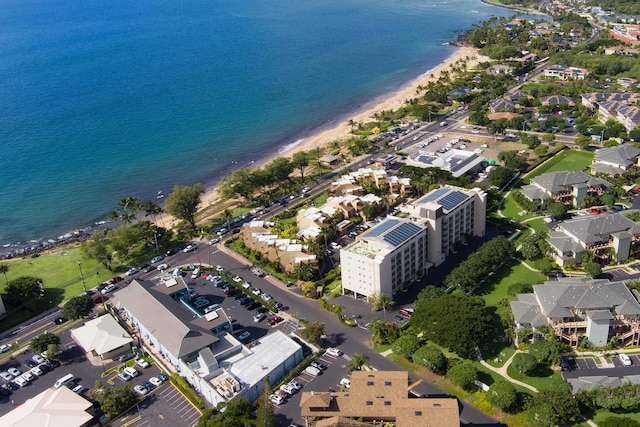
column 84, row 283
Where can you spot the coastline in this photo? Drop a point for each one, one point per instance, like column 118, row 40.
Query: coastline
column 322, row 136
column 338, row 128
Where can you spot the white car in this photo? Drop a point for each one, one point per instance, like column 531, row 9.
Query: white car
column 246, row 285
column 4, row 348
column 157, row 259
column 195, row 273
column 131, row 271
column 155, row 381
column 256, row 291
column 108, row 288
column 36, row 371
column 333, row 352
column 162, row 267
column 28, row 376
column 142, row 363
column 266, row 297
column 15, row 372
column 21, row 382
column 295, row 384
column 141, row 390
column 189, row 248
column 78, row 389
column 626, row 361
column 288, row 388
column 277, row 399
column 219, row 268
column 259, row 317
column 237, row 279
column 211, row 308
column 38, row 358
column 346, row 382
column 6, row 376
column 131, row 371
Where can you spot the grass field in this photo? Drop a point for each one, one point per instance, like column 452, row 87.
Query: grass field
column 59, row 270
column 543, row 378
column 603, row 414
column 511, row 210
column 496, row 287
column 538, row 225
column 567, row 160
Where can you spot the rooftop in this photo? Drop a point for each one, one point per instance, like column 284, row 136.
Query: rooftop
column 101, row 335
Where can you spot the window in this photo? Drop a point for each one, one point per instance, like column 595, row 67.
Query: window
column 369, row 403
column 369, row 382
column 387, row 403
column 418, row 413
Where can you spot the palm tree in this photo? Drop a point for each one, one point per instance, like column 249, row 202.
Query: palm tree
column 358, row 360
column 152, row 209
column 352, row 124
column 382, row 302
column 4, row 269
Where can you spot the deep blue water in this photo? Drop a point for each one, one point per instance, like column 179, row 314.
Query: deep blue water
column 105, row 99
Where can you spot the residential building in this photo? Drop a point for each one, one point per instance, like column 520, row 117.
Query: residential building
column 563, row 72
column 376, row 398
column 500, row 69
column 385, row 258
column 629, row 116
column 502, row 104
column 289, row 253
column 627, row 82
column 103, row 337
column 576, row 307
column 557, row 100
column 54, row 407
column 568, row 187
column 453, row 216
column 350, row 183
column 199, row 347
column 329, row 160
column 616, row 160
column 594, row 99
column 619, row 106
column 611, row 237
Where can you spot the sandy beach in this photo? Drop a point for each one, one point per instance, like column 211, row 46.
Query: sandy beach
column 390, row 101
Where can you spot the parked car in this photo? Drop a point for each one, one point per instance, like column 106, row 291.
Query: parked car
column 345, row 382
column 157, row 259
column 189, row 248
column 30, row 363
column 142, row 363
column 288, row 388
column 295, row 384
column 626, row 361
column 125, row 357
column 4, row 348
column 37, row 371
column 219, row 268
column 266, row 297
column 245, row 301
column 244, row 335
column 231, row 292
column 312, row 371
column 259, row 317
column 108, row 288
column 162, row 266
column 21, row 382
column 256, row 291
column 15, row 372
column 38, row 359
column 274, row 320
column 237, row 279
column 6, row 376
column 155, row 381
column 276, row 399
column 78, row 389
column 319, row 365
column 131, row 371
column 131, row 271
column 140, row 389
column 333, row 352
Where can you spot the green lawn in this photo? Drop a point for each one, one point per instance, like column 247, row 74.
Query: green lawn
column 502, row 357
column 538, row 225
column 59, row 270
column 567, row 160
column 496, row 287
column 603, row 414
column 511, row 210
column 543, row 378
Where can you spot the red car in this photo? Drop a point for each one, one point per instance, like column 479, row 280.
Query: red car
column 595, row 211
column 274, row 320
column 100, row 298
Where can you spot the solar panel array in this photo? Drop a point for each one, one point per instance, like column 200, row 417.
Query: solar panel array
column 401, row 234
column 433, row 195
column 452, row 200
column 384, row 226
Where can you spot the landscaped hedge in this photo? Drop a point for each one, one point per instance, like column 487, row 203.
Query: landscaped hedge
column 186, row 389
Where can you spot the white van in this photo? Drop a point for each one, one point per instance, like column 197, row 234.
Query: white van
column 312, row 371
column 177, row 272
column 66, row 380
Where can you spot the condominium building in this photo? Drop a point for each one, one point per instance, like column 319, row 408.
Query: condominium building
column 452, row 215
column 397, row 251
column 385, row 258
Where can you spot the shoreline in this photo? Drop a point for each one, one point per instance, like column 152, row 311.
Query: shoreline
column 335, row 129
column 340, row 128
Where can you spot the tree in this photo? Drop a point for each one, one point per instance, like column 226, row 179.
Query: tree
column 235, row 413
column 77, row 307
column 455, row 321
column 524, row 363
column 512, row 160
column 53, row 352
column 500, row 176
column 383, row 332
column 358, row 360
column 265, row 416
column 313, row 332
column 546, row 351
column 592, row 269
column 431, row 357
column 463, row 375
column 41, row 342
column 635, row 134
column 151, row 209
column 305, row 272
column 4, row 269
column 556, row 210
column 23, row 291
column 183, row 202
column 429, row 293
column 117, row 400
column 300, row 161
column 562, row 403
column 583, row 141
column 502, row 394
column 381, row 301
column 529, row 248
column 406, row 346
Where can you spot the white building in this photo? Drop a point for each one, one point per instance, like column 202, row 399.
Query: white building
column 453, row 215
column 385, row 258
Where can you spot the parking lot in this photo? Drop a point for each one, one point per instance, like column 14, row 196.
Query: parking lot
column 165, row 406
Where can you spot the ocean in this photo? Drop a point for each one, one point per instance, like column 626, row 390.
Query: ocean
column 104, row 100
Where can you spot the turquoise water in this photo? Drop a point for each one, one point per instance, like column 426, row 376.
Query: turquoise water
column 102, row 100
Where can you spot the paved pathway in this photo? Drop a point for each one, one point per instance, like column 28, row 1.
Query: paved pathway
column 502, row 371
